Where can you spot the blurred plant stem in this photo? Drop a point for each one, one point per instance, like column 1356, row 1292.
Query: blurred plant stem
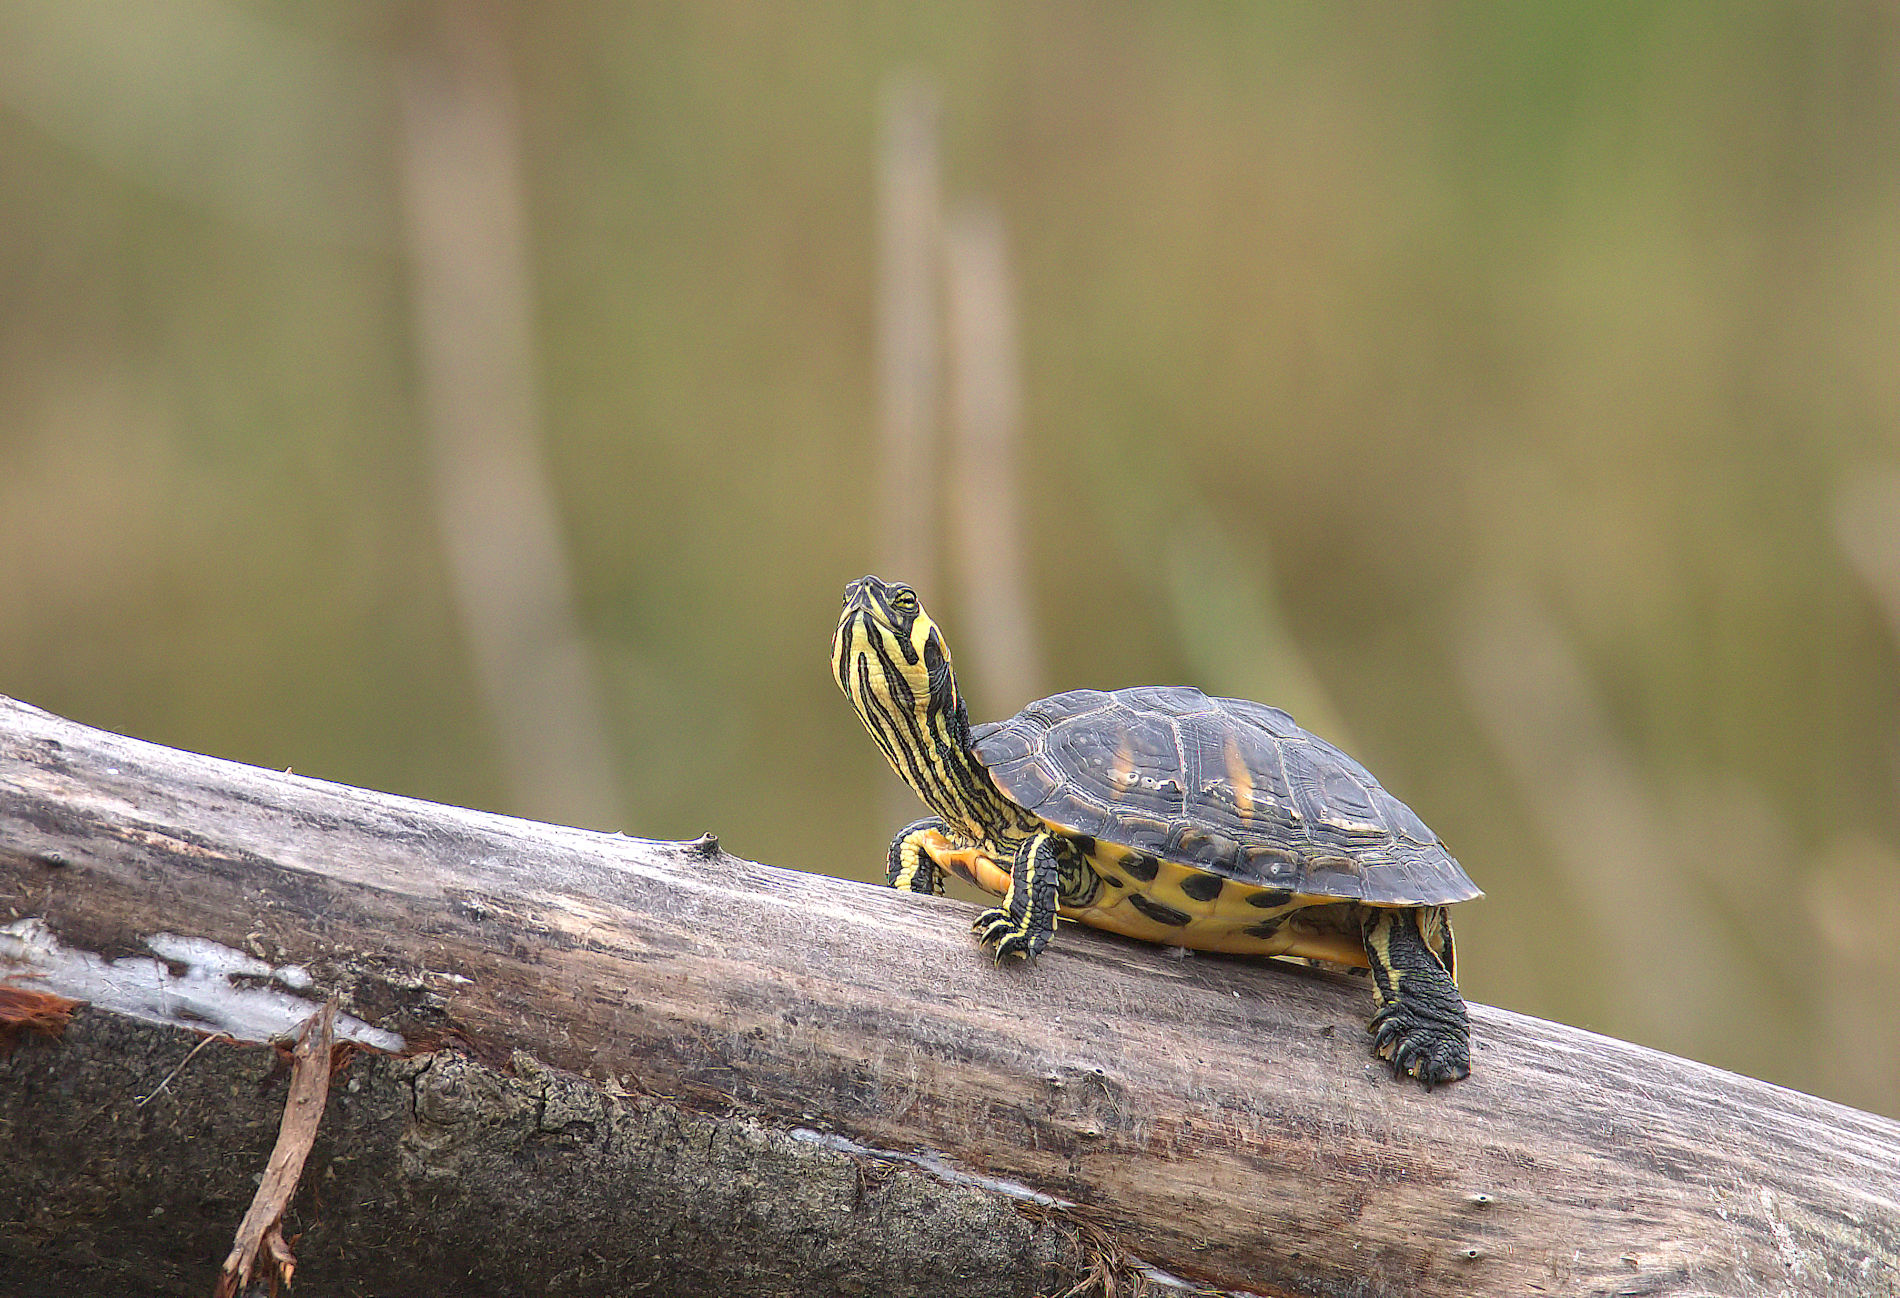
column 909, row 234
column 500, row 528
column 957, row 267
column 987, row 535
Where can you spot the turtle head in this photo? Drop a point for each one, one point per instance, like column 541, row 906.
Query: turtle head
column 890, row 660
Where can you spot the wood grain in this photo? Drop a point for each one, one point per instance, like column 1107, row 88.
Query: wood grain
column 1221, row 1117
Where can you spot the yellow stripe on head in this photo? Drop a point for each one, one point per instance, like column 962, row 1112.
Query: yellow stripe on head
column 891, row 661
column 887, row 655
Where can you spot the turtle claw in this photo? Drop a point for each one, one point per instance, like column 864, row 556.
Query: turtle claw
column 995, row 929
column 1417, row 1046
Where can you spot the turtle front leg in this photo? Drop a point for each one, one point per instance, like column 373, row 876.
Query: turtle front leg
column 1421, row 1026
column 1022, row 924
column 912, row 868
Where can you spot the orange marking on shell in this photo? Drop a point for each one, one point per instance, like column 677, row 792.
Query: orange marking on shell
column 1241, row 777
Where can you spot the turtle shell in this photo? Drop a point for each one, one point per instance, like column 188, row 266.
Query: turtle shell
column 1225, row 786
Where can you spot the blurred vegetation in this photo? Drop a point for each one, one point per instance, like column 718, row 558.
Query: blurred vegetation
column 1521, row 380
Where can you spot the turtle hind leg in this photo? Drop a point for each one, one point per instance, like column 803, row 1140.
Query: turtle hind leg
column 1021, row 926
column 1421, row 1026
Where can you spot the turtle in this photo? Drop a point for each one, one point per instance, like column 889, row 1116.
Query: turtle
column 1165, row 814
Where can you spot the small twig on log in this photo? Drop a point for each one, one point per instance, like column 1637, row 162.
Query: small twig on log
column 262, row 1227
column 189, row 1056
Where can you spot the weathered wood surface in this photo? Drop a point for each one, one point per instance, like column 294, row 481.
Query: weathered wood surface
column 1221, row 1117
column 439, row 1177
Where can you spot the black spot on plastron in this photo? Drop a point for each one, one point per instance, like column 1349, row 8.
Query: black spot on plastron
column 1157, row 912
column 1202, row 887
column 1270, row 898
column 1266, row 928
column 1112, row 880
column 1141, row 865
column 961, row 869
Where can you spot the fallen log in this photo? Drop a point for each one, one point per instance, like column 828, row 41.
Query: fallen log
column 1218, row 1118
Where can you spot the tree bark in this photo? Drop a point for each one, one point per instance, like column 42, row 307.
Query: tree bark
column 676, row 1068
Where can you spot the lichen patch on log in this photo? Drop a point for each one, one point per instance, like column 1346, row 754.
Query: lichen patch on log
column 188, row 982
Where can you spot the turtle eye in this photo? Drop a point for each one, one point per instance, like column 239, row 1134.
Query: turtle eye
column 904, row 600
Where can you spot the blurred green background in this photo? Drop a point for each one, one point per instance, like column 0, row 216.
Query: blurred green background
column 1508, row 390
